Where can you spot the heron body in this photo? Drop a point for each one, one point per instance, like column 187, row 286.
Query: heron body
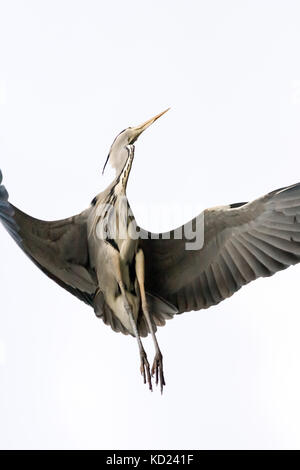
column 135, row 280
column 112, row 250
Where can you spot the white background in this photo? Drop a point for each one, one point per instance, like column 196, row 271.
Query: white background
column 72, row 75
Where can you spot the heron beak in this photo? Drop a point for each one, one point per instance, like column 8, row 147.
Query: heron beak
column 141, row 128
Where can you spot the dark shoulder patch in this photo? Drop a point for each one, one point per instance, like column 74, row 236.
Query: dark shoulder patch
column 237, row 204
column 112, row 242
column 94, row 201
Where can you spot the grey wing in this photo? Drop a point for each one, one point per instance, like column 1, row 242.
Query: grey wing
column 58, row 248
column 242, row 242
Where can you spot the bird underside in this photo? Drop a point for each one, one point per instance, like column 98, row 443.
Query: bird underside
column 129, row 310
column 139, row 325
column 160, row 312
column 121, row 300
column 136, row 287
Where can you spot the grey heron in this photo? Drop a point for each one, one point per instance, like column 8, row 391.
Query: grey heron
column 134, row 279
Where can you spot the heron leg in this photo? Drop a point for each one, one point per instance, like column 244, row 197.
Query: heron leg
column 145, row 368
column 157, row 368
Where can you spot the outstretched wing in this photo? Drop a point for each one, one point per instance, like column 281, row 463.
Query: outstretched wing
column 58, row 248
column 242, row 242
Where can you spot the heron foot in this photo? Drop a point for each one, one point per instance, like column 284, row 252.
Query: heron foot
column 157, row 370
column 145, row 370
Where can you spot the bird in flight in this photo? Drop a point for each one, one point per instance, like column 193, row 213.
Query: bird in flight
column 135, row 280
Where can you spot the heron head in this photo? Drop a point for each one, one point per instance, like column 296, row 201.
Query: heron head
column 118, row 153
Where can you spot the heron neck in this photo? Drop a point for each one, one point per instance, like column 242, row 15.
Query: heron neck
column 122, row 178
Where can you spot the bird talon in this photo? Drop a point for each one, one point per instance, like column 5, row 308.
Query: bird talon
column 145, row 371
column 157, row 369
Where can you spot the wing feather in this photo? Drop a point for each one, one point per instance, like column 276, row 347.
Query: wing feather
column 242, row 242
column 58, row 248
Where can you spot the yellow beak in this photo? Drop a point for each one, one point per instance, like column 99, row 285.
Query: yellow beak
column 142, row 127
